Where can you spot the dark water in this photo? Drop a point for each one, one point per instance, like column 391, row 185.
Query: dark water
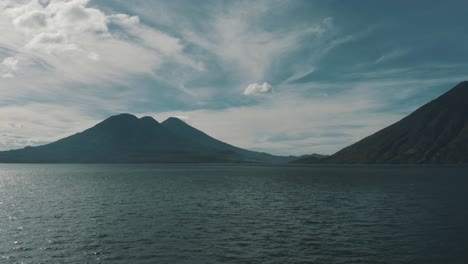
column 232, row 214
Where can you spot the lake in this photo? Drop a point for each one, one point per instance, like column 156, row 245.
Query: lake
column 232, row 214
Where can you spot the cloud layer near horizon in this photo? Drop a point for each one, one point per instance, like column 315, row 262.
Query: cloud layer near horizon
column 66, row 64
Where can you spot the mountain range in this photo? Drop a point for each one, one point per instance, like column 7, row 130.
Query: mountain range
column 124, row 138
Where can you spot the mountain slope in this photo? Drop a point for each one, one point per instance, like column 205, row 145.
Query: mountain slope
column 185, row 131
column 125, row 138
column 436, row 133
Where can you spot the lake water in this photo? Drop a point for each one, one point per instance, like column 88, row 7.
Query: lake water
column 232, row 214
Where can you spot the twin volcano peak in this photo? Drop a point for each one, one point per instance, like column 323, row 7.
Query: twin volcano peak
column 126, row 118
column 123, row 120
column 125, row 138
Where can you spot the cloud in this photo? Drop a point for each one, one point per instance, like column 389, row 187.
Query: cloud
column 296, row 124
column 395, row 54
column 27, row 125
column 51, row 43
column 306, row 129
column 75, row 16
column 315, row 117
column 257, row 89
column 242, row 45
column 248, row 41
column 124, row 20
column 64, row 61
column 291, row 123
column 75, row 41
column 10, row 63
column 33, row 20
column 8, row 67
column 68, row 17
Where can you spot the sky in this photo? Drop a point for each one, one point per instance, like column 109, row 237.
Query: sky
column 284, row 77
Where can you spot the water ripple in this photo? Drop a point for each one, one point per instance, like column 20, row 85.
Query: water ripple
column 232, row 214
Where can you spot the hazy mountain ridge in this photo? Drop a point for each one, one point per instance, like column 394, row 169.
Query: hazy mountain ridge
column 436, row 133
column 125, row 138
column 311, row 158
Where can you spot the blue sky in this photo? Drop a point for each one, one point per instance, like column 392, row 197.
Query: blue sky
column 285, row 77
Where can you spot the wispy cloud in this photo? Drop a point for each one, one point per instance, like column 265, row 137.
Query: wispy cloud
column 245, row 48
column 395, row 54
column 27, row 125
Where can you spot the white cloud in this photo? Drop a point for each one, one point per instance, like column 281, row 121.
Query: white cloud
column 51, row 43
column 75, row 16
column 34, row 20
column 124, row 19
column 75, row 42
column 10, row 63
column 257, row 89
column 8, row 67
